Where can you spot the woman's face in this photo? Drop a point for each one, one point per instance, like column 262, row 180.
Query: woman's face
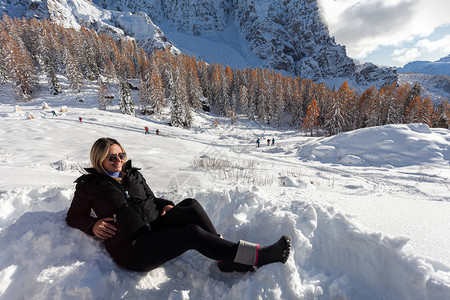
column 112, row 162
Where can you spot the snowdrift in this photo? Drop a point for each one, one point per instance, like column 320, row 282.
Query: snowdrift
column 43, row 257
column 390, row 146
column 333, row 255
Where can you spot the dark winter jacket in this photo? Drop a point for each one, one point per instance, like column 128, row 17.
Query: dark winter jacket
column 131, row 202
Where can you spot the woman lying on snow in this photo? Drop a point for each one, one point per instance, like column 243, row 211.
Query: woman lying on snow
column 142, row 232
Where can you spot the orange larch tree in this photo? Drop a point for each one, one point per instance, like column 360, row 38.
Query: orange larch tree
column 311, row 119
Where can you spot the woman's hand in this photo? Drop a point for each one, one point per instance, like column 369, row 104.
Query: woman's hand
column 166, row 209
column 104, row 230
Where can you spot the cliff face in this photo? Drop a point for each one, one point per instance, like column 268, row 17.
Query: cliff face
column 285, row 35
column 77, row 13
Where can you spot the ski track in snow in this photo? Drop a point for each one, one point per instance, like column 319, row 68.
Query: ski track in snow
column 343, row 219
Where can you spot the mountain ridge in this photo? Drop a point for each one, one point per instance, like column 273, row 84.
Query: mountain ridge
column 438, row 67
column 284, row 35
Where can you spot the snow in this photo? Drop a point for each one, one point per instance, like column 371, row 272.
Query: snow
column 367, row 210
column 226, row 47
column 434, row 86
column 439, row 67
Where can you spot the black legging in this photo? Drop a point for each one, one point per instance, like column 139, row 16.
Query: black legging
column 186, row 226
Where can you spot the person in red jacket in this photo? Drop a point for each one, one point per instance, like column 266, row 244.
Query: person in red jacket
column 142, row 232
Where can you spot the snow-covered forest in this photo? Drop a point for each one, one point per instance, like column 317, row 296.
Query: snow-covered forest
column 186, row 84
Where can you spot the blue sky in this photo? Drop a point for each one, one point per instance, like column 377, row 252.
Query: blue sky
column 390, row 32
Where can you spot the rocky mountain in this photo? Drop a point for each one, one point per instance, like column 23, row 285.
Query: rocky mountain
column 285, row 35
column 77, row 13
column 437, row 87
column 433, row 77
column 439, row 67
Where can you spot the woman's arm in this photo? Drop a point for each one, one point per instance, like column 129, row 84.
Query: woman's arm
column 79, row 214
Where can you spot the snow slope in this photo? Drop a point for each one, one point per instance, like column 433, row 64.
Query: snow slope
column 367, row 210
column 437, row 87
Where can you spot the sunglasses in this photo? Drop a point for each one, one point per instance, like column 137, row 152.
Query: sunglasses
column 116, row 157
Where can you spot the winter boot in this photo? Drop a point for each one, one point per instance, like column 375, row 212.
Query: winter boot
column 278, row 252
column 231, row 266
column 249, row 255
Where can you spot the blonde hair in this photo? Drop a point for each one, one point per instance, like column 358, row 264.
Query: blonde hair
column 100, row 150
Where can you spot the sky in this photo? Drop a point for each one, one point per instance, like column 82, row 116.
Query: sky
column 390, row 32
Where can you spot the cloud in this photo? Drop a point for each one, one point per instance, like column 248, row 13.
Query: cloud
column 433, row 46
column 365, row 25
column 406, row 55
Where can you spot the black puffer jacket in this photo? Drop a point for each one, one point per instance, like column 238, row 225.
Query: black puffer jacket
column 131, row 202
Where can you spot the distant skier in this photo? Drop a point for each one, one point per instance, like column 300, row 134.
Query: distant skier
column 273, row 141
column 258, row 142
column 268, row 142
column 81, row 119
column 54, row 113
column 157, row 131
column 146, row 130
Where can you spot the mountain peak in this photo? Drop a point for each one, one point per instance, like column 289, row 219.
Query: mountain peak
column 444, row 59
column 439, row 67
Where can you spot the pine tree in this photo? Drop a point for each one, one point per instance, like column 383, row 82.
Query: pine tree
column 102, row 95
column 263, row 104
column 125, row 101
column 110, row 71
column 226, row 85
column 73, row 72
column 46, row 55
column 442, row 115
column 144, row 87
column 334, row 120
column 53, row 82
column 177, row 112
column 3, row 55
column 412, row 111
column 243, row 99
column 3, row 71
column 156, row 92
column 181, row 111
column 217, row 89
column 253, row 94
column 296, row 104
column 277, row 101
column 86, row 41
